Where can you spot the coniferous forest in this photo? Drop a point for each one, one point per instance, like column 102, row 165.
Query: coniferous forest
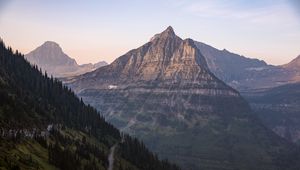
column 43, row 125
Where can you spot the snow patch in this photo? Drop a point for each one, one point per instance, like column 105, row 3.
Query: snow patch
column 256, row 68
column 112, row 87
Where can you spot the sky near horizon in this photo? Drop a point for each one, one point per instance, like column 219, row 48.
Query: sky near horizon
column 94, row 30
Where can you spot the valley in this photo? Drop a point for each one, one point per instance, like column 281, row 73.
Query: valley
column 150, row 85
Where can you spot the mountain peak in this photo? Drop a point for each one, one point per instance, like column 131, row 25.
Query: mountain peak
column 167, row 58
column 51, row 45
column 167, row 33
column 49, row 56
column 170, row 30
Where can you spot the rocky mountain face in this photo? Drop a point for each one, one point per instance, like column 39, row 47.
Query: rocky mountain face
column 278, row 108
column 164, row 93
column 247, row 74
column 51, row 58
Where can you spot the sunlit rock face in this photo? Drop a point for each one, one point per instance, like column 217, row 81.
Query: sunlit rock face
column 164, row 93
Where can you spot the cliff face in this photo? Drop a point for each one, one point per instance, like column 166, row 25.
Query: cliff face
column 164, row 93
column 165, row 60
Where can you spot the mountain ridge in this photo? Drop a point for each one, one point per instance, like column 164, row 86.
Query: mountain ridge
column 51, row 58
column 246, row 74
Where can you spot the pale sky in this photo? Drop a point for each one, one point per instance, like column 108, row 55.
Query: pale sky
column 94, row 30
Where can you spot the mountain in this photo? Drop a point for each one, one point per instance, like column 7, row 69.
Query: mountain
column 278, row 108
column 246, row 74
column 51, row 58
column 275, row 104
column 43, row 125
column 294, row 64
column 164, row 93
column 294, row 68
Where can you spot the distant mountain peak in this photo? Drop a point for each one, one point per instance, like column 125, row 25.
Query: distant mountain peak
column 51, row 58
column 50, row 54
column 51, row 45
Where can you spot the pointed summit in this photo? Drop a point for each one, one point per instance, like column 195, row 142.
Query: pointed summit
column 166, row 58
column 167, row 33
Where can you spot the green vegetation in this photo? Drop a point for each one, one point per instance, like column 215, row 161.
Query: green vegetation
column 43, row 125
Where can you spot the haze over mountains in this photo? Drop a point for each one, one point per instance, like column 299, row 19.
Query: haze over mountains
column 278, row 108
column 271, row 90
column 248, row 74
column 51, row 58
column 239, row 72
column 164, row 93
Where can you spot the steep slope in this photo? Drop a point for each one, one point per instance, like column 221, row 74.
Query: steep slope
column 164, row 93
column 278, row 108
column 294, row 68
column 51, row 58
column 244, row 73
column 43, row 125
column 294, row 64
